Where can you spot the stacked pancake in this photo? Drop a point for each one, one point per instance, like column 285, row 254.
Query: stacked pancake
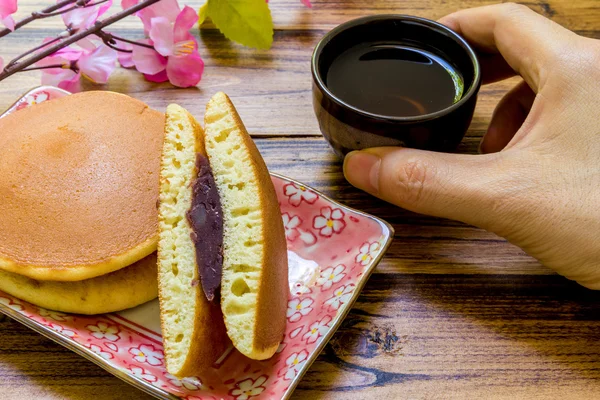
column 78, row 196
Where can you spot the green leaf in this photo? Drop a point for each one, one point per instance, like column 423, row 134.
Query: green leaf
column 245, row 21
column 202, row 13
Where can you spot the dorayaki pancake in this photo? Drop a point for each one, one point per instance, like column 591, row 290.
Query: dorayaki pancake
column 79, row 186
column 118, row 290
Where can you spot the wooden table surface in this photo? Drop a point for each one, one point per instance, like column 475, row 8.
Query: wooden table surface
column 451, row 312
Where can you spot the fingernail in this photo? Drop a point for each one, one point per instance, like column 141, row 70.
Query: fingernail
column 362, row 170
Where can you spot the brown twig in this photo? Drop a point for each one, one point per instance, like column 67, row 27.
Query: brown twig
column 37, row 15
column 28, row 52
column 78, row 4
column 111, row 40
column 63, row 66
column 13, row 68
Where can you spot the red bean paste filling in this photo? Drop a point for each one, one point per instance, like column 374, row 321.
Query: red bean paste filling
column 206, row 219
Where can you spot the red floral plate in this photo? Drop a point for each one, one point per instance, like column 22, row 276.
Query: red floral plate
column 332, row 251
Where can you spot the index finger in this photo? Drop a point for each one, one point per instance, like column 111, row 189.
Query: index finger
column 529, row 42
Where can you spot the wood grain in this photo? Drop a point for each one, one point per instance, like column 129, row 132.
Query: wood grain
column 417, row 336
column 452, row 312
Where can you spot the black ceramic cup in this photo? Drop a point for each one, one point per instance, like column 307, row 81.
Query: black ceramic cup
column 348, row 128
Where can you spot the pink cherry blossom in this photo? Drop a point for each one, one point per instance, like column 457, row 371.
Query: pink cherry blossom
column 7, row 8
column 330, row 221
column 96, row 65
column 175, row 57
column 125, row 58
column 168, row 9
column 306, row 3
column 63, row 77
column 84, row 17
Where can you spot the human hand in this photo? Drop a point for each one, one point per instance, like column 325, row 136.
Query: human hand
column 538, row 182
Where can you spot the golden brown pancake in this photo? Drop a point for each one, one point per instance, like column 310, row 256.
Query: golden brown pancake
column 125, row 288
column 79, row 186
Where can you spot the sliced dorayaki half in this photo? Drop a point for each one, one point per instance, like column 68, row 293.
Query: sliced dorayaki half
column 221, row 241
column 254, row 289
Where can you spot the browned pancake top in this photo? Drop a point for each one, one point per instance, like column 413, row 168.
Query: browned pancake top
column 79, row 184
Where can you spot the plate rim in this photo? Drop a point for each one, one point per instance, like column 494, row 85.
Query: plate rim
column 387, row 232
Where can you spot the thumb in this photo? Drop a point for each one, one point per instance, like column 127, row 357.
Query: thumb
column 467, row 188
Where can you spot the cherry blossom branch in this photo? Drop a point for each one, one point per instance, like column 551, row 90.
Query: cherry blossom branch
column 47, row 67
column 13, row 68
column 37, row 15
column 78, row 4
column 111, row 41
column 28, row 52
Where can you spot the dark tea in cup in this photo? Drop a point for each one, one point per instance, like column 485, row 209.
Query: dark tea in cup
column 394, row 78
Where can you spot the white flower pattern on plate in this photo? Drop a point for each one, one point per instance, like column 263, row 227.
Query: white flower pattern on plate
column 98, row 350
column 366, row 253
column 307, row 237
column 111, row 346
column 104, row 331
column 55, row 315
column 188, row 383
column 317, row 330
column 146, row 353
column 142, row 373
column 340, row 296
column 291, row 224
column 11, row 304
column 248, row 388
column 297, row 308
column 62, row 330
column 331, row 275
column 34, row 99
column 281, row 347
column 294, row 364
column 299, row 193
column 329, row 222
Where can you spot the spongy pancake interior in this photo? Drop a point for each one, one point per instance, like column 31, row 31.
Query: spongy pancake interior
column 243, row 247
column 177, row 259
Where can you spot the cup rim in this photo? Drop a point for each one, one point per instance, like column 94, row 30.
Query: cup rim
column 473, row 89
